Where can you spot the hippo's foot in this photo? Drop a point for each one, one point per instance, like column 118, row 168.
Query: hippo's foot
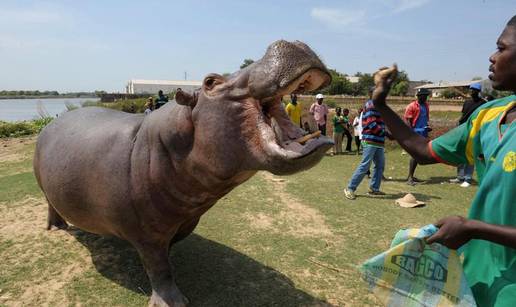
column 169, row 299
column 54, row 220
column 165, row 292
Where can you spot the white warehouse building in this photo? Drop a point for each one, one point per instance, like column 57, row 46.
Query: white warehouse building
column 151, row 87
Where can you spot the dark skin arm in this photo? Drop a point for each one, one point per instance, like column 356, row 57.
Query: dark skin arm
column 454, row 231
column 413, row 143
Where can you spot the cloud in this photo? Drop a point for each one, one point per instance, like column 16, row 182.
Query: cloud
column 405, row 5
column 338, row 18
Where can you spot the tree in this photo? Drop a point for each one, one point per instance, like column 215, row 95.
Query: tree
column 339, row 84
column 246, row 63
column 476, row 78
column 400, row 89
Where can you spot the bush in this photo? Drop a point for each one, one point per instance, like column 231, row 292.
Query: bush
column 129, row 105
column 21, row 128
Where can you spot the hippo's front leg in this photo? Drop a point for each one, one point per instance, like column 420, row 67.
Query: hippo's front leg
column 164, row 289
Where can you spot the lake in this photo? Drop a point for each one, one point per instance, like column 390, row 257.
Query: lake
column 27, row 109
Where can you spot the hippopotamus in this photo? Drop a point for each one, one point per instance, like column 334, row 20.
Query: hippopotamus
column 148, row 179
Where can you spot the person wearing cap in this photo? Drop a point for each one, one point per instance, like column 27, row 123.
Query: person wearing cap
column 373, row 139
column 465, row 171
column 417, row 115
column 293, row 110
column 319, row 111
column 488, row 140
column 160, row 100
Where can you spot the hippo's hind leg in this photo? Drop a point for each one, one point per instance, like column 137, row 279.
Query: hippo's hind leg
column 54, row 220
column 155, row 261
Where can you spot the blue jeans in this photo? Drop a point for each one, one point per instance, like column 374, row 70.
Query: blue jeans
column 370, row 154
column 465, row 172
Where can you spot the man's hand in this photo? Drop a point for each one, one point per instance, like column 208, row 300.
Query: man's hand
column 454, row 231
column 383, row 80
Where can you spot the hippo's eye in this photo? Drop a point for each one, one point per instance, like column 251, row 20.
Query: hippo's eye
column 211, row 81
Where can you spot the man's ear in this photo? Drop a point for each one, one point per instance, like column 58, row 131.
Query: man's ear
column 186, row 99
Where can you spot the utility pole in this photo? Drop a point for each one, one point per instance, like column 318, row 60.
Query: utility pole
column 185, row 75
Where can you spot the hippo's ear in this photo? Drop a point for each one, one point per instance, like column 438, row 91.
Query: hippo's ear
column 212, row 80
column 185, row 99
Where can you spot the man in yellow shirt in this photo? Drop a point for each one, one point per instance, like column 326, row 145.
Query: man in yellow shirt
column 293, row 110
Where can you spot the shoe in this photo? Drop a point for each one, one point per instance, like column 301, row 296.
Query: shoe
column 375, row 193
column 417, row 180
column 465, row 184
column 456, row 180
column 349, row 194
column 411, row 182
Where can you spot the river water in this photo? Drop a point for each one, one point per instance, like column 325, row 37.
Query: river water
column 27, row 109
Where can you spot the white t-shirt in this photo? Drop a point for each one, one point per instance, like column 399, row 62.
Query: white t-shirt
column 357, row 124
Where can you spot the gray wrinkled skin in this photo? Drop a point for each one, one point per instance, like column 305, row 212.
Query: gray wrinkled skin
column 148, row 179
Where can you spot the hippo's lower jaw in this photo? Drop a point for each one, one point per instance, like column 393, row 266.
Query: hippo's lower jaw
column 279, row 135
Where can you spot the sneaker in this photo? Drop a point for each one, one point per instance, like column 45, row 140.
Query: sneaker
column 375, row 193
column 465, row 184
column 411, row 182
column 456, row 180
column 349, row 194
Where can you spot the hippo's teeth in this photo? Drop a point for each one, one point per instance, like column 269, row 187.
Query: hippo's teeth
column 308, row 137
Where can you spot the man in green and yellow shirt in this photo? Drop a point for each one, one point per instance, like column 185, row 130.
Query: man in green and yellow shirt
column 488, row 140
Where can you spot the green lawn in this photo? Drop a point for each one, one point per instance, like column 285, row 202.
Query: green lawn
column 286, row 241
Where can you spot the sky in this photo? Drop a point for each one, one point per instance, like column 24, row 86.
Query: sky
column 100, row 45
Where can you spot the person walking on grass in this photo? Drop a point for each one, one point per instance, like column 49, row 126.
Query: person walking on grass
column 373, row 139
column 293, row 110
column 338, row 131
column 417, row 115
column 465, row 171
column 487, row 139
column 319, row 111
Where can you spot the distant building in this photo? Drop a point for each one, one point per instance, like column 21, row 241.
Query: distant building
column 151, row 87
column 461, row 87
column 353, row 79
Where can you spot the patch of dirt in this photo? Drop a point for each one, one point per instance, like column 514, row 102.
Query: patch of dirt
column 300, row 219
column 26, row 217
column 11, row 150
column 32, row 246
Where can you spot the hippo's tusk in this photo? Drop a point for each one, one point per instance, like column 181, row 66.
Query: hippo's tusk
column 307, row 137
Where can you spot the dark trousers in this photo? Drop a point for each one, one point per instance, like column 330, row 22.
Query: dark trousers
column 322, row 128
column 358, row 142
column 349, row 137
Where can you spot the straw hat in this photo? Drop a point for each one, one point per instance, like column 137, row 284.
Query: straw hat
column 409, row 201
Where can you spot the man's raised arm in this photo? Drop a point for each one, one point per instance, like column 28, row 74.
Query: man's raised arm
column 414, row 144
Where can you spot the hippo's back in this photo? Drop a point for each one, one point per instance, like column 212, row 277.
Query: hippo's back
column 82, row 161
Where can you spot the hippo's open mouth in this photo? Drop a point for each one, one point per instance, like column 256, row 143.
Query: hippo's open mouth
column 281, row 137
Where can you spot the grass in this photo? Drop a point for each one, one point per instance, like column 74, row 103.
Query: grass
column 285, row 241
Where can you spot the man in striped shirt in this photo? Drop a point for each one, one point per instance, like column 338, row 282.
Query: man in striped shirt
column 373, row 138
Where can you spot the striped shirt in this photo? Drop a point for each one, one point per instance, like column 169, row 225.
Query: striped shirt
column 373, row 127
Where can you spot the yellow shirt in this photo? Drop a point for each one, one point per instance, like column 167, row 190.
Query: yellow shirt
column 294, row 112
